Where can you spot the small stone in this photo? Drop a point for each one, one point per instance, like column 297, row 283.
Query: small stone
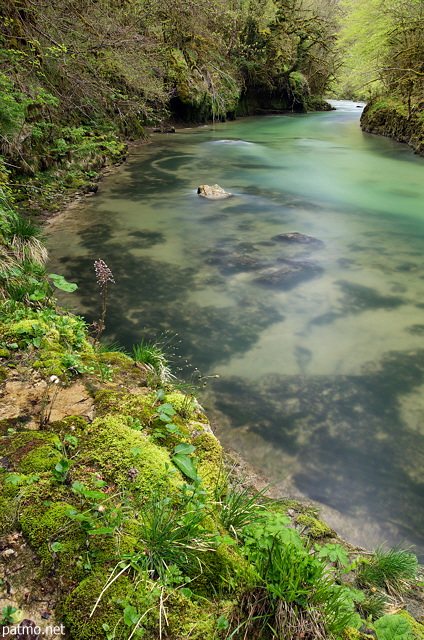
column 214, row 192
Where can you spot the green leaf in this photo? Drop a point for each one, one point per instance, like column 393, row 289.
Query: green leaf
column 222, row 623
column 392, row 627
column 185, row 448
column 130, row 615
column 61, row 283
column 185, row 465
column 56, row 546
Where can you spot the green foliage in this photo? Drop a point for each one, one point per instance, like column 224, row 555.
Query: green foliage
column 153, row 357
column 394, row 569
column 8, row 615
column 294, row 589
column 393, row 627
column 383, row 48
column 240, row 505
column 173, row 533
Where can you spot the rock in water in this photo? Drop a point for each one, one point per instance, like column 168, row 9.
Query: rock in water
column 296, row 237
column 214, row 192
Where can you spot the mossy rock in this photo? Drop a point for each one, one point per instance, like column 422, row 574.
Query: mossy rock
column 210, row 455
column 137, row 405
column 32, row 451
column 184, row 404
column 125, row 457
column 315, row 528
column 185, row 618
column 42, row 526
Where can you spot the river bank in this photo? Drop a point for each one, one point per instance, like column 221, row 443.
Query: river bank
column 392, row 118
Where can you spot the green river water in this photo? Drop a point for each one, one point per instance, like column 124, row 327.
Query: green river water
column 319, row 345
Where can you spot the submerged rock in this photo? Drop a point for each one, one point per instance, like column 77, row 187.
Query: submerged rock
column 214, row 192
column 298, row 238
column 228, row 261
column 289, row 274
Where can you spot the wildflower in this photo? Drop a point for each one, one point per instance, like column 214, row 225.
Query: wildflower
column 103, row 273
column 54, row 380
column 101, row 508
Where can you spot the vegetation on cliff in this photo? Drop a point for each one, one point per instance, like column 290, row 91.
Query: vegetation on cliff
column 383, row 49
column 77, row 78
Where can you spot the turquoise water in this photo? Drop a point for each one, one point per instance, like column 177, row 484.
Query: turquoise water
column 319, row 344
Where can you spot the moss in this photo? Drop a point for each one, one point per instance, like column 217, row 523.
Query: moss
column 210, row 455
column 71, row 425
column 316, row 528
column 31, row 451
column 185, row 618
column 115, row 449
column 117, row 358
column 42, row 525
column 189, row 619
column 4, row 353
column 353, row 634
column 417, row 628
column 182, row 403
column 78, row 605
column 9, row 494
column 138, row 406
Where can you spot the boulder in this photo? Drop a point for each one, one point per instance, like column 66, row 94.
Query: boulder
column 214, row 192
column 289, row 274
column 297, row 238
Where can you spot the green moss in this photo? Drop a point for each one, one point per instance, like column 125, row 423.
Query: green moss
column 32, row 451
column 115, row 449
column 417, row 628
column 42, row 525
column 136, row 405
column 118, row 358
column 316, row 528
column 353, row 634
column 9, row 494
column 4, row 353
column 77, row 607
column 185, row 405
column 210, row 455
column 185, row 618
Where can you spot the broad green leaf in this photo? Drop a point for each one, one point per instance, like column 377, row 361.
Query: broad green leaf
column 393, row 627
column 130, row 615
column 185, row 448
column 61, row 283
column 185, row 465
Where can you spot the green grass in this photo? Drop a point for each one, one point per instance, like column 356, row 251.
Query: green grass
column 394, row 569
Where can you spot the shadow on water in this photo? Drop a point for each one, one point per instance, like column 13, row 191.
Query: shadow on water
column 348, row 434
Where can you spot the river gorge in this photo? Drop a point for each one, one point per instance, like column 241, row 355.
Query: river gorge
column 303, row 291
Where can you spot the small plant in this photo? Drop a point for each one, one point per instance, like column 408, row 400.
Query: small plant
column 240, row 506
column 191, row 389
column 394, row 570
column 62, row 468
column 48, row 400
column 173, row 533
column 103, row 276
column 8, row 615
column 154, row 358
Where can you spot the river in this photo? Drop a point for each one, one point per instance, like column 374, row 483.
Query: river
column 318, row 338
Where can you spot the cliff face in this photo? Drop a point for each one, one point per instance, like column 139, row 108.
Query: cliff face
column 390, row 118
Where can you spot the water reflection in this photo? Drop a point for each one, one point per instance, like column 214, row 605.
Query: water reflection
column 303, row 291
